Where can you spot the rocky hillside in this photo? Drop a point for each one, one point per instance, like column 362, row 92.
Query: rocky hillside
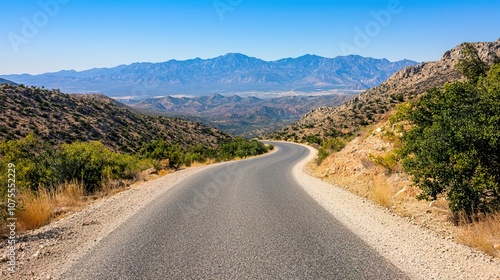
column 370, row 106
column 59, row 118
column 232, row 72
column 246, row 116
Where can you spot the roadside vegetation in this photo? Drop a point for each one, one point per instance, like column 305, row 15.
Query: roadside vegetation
column 442, row 147
column 452, row 144
column 51, row 179
column 452, row 149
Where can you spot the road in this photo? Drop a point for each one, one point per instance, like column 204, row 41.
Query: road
column 241, row 220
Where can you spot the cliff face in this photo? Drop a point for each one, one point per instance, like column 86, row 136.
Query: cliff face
column 370, row 106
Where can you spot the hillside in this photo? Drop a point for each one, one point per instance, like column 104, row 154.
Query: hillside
column 59, row 118
column 245, row 116
column 412, row 160
column 370, row 106
column 228, row 73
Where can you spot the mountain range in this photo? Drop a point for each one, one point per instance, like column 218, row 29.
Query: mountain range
column 372, row 105
column 4, row 81
column 230, row 73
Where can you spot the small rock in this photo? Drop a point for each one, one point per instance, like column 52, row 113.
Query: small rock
column 88, row 223
column 150, row 171
column 36, row 254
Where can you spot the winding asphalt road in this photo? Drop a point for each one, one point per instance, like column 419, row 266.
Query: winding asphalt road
column 240, row 220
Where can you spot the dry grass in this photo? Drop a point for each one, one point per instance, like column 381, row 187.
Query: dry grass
column 164, row 172
column 381, row 192
column 37, row 210
column 483, row 234
column 69, row 195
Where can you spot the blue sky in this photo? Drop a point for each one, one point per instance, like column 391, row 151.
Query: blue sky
column 51, row 35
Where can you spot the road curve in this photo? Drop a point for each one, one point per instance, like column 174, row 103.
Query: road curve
column 240, row 220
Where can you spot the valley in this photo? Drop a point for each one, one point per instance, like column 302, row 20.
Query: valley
column 247, row 116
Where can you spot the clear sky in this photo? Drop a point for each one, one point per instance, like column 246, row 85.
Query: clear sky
column 52, row 35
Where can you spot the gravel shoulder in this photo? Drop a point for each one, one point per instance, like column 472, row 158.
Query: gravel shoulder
column 419, row 252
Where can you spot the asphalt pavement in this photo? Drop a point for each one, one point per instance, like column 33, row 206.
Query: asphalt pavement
column 247, row 219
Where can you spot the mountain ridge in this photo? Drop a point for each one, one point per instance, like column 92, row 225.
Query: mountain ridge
column 229, row 73
column 372, row 105
column 4, row 81
column 65, row 118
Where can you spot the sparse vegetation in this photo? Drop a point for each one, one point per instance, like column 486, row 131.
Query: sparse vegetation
column 456, row 154
column 61, row 118
column 329, row 146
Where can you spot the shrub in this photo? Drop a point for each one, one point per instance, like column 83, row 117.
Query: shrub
column 91, row 163
column 35, row 160
column 453, row 145
column 389, row 161
column 329, row 146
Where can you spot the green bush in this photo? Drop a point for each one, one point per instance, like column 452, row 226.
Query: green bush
column 453, row 145
column 36, row 162
column 329, row 146
column 389, row 161
column 241, row 148
column 39, row 163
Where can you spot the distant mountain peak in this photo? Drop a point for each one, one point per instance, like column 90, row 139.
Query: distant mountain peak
column 229, row 73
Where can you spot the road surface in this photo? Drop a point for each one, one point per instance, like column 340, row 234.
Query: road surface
column 241, row 220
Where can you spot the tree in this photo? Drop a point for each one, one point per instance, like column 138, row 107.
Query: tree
column 453, row 145
column 471, row 66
